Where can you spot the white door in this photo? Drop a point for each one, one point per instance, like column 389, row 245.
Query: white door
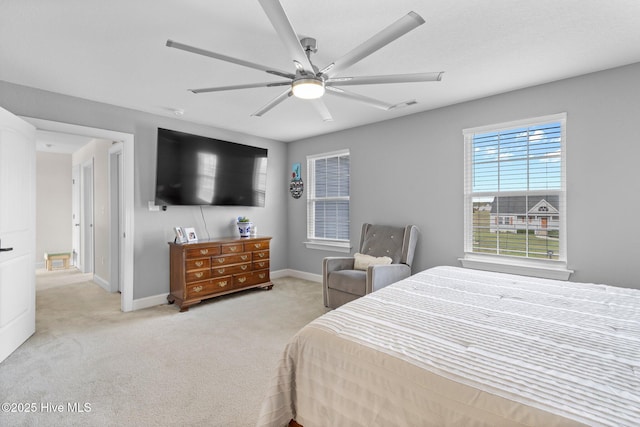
column 86, row 222
column 17, row 232
column 75, row 215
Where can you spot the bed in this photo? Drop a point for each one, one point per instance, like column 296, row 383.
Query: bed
column 459, row 347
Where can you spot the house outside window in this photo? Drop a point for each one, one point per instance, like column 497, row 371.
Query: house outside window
column 515, row 197
column 328, row 201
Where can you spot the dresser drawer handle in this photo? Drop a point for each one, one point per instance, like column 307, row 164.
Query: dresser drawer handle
column 199, row 274
column 244, row 257
column 262, row 275
column 197, row 288
column 220, row 260
column 233, row 248
column 261, row 254
column 204, row 251
column 242, row 279
column 222, row 284
column 199, row 263
column 257, row 245
column 244, row 267
column 221, row 270
column 261, row 264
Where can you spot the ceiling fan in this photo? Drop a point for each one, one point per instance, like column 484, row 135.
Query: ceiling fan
column 310, row 82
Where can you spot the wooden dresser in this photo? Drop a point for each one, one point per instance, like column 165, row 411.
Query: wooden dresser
column 215, row 267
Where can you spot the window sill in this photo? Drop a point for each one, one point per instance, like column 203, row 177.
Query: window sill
column 329, row 246
column 537, row 268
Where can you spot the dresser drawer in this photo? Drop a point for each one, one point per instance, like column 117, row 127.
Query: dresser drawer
column 208, row 287
column 251, row 278
column 260, row 265
column 202, row 252
column 256, row 245
column 198, row 264
column 259, row 255
column 198, row 275
column 230, row 259
column 232, row 248
column 225, row 270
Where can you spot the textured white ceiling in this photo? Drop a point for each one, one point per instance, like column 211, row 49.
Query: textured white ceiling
column 114, row 52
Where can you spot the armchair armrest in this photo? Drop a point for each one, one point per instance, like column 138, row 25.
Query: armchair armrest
column 330, row 264
column 379, row 276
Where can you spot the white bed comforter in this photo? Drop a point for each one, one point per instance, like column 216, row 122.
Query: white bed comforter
column 460, row 347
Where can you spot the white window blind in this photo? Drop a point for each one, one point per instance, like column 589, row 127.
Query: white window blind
column 515, row 198
column 328, row 196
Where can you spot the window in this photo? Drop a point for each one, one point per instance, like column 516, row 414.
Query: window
column 328, row 201
column 515, row 195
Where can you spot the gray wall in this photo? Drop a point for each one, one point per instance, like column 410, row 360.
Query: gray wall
column 154, row 229
column 407, row 170
column 410, row 170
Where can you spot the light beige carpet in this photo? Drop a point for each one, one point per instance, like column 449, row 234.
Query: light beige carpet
column 155, row 367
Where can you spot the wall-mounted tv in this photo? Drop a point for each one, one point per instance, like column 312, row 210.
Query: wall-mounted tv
column 196, row 170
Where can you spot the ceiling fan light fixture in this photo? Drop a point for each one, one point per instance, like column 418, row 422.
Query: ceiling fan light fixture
column 308, row 88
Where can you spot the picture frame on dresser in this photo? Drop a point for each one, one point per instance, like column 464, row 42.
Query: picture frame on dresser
column 180, row 236
column 190, row 234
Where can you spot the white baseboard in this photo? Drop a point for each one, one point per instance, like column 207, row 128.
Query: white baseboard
column 152, row 301
column 287, row 272
column 102, row 283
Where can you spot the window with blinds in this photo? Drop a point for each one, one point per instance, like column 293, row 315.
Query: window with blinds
column 328, row 196
column 515, row 199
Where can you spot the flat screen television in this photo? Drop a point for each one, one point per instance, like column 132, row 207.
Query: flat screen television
column 196, row 170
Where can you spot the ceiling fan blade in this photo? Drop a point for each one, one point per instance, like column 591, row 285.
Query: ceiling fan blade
column 395, row 78
column 357, row 97
column 381, row 39
column 282, row 25
column 366, row 100
column 234, row 87
column 275, row 101
column 322, row 109
column 197, row 50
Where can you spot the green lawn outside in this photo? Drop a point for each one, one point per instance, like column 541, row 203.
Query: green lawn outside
column 512, row 244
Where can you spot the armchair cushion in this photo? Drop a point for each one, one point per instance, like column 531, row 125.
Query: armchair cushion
column 383, row 240
column 350, row 281
column 362, row 261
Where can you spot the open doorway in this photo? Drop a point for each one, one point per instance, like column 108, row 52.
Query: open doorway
column 118, row 256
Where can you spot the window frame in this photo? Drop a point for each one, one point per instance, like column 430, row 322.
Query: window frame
column 554, row 269
column 313, row 242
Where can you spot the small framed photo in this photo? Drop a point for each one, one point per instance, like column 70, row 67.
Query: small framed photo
column 190, row 233
column 180, row 236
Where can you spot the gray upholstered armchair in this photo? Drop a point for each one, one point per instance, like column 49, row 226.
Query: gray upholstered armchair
column 342, row 282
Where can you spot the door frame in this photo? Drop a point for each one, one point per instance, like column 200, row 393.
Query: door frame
column 116, row 216
column 127, row 140
column 76, row 260
column 87, row 233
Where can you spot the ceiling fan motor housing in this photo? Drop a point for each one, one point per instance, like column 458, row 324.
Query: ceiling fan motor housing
column 309, row 44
